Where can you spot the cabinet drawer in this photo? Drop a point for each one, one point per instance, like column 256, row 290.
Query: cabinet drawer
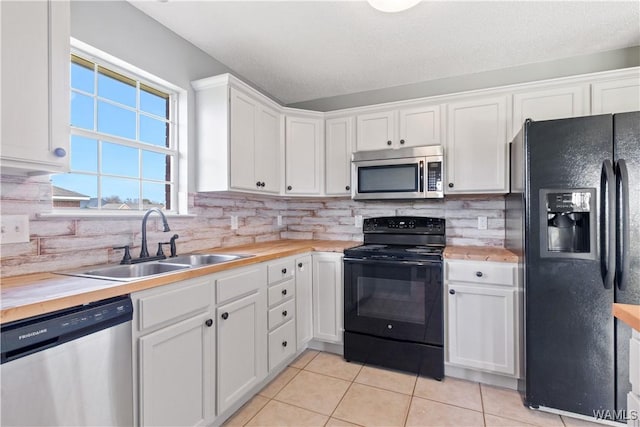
column 281, row 292
column 634, row 364
column 182, row 300
column 282, row 343
column 497, row 273
column 239, row 283
column 281, row 270
column 282, row 313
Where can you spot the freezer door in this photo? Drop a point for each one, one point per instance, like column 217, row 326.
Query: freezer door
column 626, row 138
column 569, row 337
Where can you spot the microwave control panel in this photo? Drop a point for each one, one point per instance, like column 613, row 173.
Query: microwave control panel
column 434, row 176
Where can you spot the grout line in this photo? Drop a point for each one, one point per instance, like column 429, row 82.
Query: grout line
column 254, row 415
column 484, row 415
column 406, row 414
column 341, row 399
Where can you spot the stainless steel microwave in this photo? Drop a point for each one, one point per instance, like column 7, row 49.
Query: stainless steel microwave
column 404, row 173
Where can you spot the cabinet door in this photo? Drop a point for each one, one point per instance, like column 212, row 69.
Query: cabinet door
column 35, row 86
column 548, row 104
column 615, row 96
column 177, row 375
column 242, row 135
column 481, row 323
column 267, row 149
column 420, row 126
column 304, row 299
column 376, row 131
column 328, row 297
column 303, row 155
column 477, row 146
column 338, row 143
column 242, row 347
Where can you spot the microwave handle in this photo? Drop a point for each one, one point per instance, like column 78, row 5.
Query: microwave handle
column 421, row 177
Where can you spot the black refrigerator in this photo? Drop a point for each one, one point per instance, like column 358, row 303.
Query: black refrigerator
column 573, row 217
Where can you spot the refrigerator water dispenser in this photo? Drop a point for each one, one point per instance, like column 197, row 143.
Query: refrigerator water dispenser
column 567, row 223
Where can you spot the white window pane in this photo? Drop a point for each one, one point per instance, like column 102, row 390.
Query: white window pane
column 120, row 193
column 154, row 104
column 82, row 78
column 120, row 160
column 155, row 195
column 76, row 191
column 156, row 166
column 154, row 131
column 116, row 90
column 84, row 154
column 116, row 121
column 81, row 111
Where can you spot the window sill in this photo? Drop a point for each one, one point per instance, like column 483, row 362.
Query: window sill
column 109, row 215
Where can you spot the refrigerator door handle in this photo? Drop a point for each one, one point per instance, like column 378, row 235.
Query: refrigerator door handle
column 622, row 226
column 608, row 225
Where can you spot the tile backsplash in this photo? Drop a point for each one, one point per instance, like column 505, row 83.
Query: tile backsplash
column 66, row 242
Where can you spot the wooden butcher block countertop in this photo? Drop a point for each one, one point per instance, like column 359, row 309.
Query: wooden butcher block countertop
column 40, row 293
column 480, row 253
column 629, row 314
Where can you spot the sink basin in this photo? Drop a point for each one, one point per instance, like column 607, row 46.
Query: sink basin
column 202, row 259
column 131, row 271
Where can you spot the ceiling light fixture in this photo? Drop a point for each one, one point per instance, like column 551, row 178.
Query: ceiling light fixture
column 392, row 5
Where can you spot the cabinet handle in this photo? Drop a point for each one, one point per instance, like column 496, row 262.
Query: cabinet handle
column 284, row 292
column 284, row 271
column 262, row 184
column 451, row 185
column 60, row 152
column 479, row 273
column 299, row 265
column 402, row 141
column 388, row 142
column 348, row 187
column 225, row 315
column 284, row 313
column 258, row 184
column 452, row 291
column 284, row 343
column 209, row 322
column 289, row 187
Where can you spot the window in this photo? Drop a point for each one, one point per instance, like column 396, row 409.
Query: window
column 123, row 148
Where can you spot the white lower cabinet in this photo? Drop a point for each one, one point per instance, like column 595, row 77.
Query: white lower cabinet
column 282, row 311
column 483, row 327
column 174, row 355
column 304, row 301
column 633, row 397
column 328, row 297
column 242, row 336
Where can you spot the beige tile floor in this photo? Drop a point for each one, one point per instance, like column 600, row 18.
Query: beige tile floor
column 321, row 389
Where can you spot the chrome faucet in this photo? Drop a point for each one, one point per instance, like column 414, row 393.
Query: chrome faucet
column 144, row 252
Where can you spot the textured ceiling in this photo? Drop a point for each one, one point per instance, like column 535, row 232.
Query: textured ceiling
column 303, row 50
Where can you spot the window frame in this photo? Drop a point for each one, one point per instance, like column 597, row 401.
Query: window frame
column 177, row 138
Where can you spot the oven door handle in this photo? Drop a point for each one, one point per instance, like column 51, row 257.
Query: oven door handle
column 397, row 262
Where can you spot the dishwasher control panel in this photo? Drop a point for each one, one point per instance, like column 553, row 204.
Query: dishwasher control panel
column 34, row 334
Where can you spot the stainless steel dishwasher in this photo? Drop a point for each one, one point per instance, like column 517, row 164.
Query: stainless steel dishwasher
column 69, row 368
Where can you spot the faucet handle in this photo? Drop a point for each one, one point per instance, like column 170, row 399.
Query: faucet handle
column 159, row 252
column 172, row 242
column 126, row 259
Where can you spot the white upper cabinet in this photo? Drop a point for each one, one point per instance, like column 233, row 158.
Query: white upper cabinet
column 35, row 86
column 616, row 96
column 477, row 146
column 549, row 103
column 420, row 126
column 304, row 162
column 338, row 149
column 238, row 136
column 254, row 140
column 406, row 127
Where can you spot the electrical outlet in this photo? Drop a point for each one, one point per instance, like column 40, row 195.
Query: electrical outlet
column 482, row 223
column 14, row 229
column 279, row 220
column 234, row 222
column 358, row 221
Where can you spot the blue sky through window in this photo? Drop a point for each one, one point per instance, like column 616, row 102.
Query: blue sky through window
column 122, row 172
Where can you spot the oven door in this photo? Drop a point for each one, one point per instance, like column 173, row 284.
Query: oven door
column 400, row 300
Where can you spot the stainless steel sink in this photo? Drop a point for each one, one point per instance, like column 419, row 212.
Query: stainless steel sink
column 203, row 259
column 131, row 271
